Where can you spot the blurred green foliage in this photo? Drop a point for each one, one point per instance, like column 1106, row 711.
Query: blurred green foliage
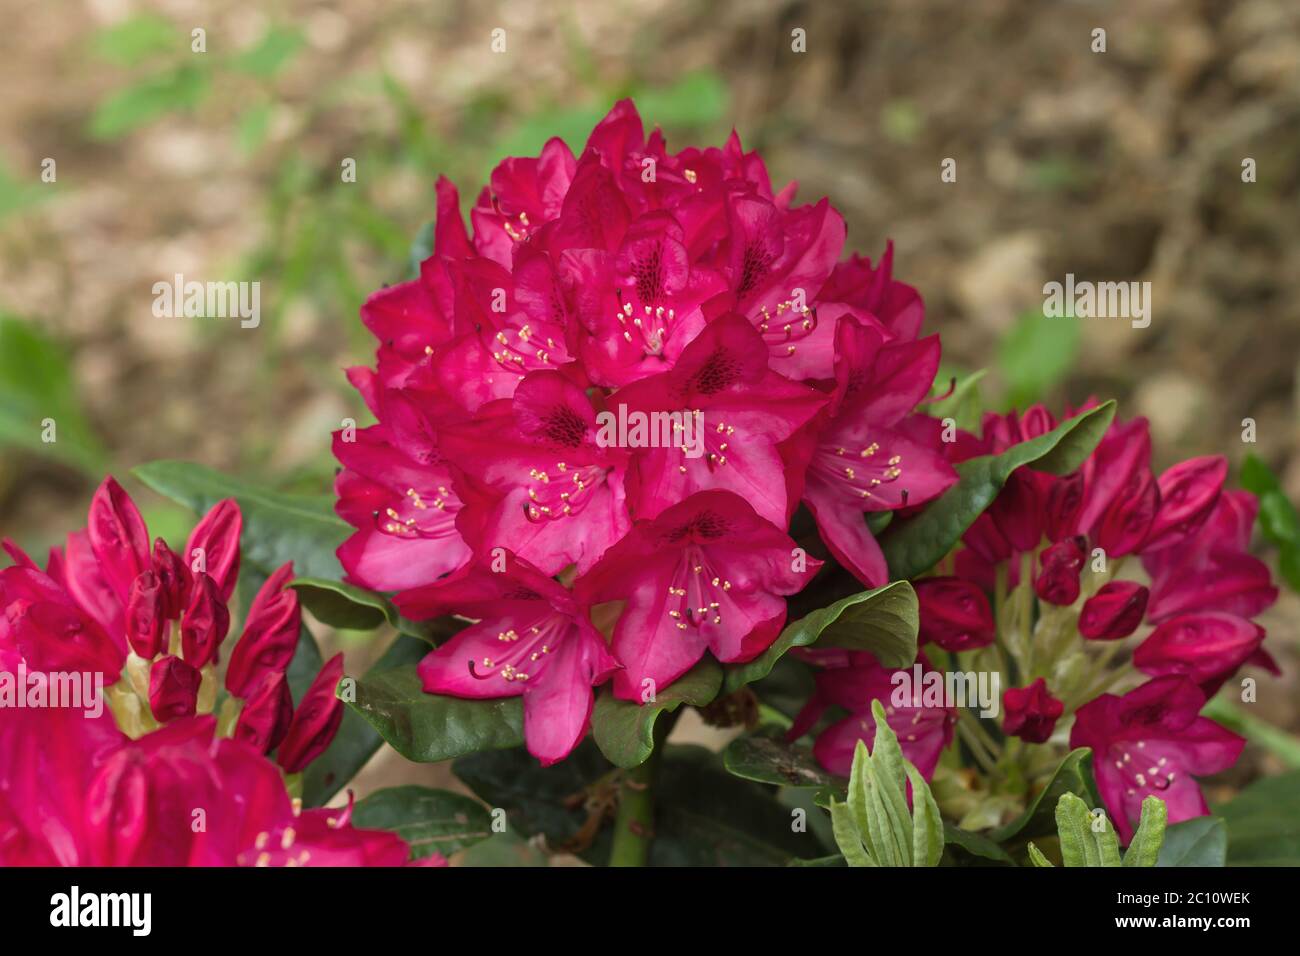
column 1036, row 355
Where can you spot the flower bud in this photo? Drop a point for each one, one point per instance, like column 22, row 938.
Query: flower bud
column 144, row 616
column 266, row 716
column 205, row 623
column 175, row 580
column 173, row 689
column 315, row 722
column 270, row 635
column 1031, row 712
column 1058, row 577
column 1207, row 647
column 955, row 614
column 1188, row 493
column 1113, row 612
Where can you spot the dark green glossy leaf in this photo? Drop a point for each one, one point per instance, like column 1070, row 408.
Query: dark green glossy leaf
column 431, row 821
column 350, row 607
column 965, row 848
column 431, row 727
column 624, row 731
column 883, row 621
column 1201, row 841
column 769, row 759
column 915, row 545
column 277, row 527
column 1263, row 822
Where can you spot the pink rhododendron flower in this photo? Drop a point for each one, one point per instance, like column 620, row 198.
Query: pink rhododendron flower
column 709, row 573
column 1151, row 742
column 533, row 638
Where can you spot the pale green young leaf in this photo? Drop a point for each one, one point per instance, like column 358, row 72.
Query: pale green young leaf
column 1144, row 849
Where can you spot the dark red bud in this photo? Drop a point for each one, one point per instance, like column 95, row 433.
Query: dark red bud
column 270, row 635
column 173, row 689
column 315, row 722
column 1059, row 567
column 205, row 623
column 266, row 716
column 1064, row 505
column 144, row 616
column 1113, row 612
column 1188, row 493
column 174, row 577
column 955, row 614
column 1031, row 712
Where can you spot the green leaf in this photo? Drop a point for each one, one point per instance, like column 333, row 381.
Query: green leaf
column 183, row 88
column 767, row 759
column 277, row 527
column 137, row 39
column 845, row 827
column 835, row 859
column 624, row 730
column 356, row 741
column 888, row 770
column 353, row 608
column 36, row 383
column 1036, row 354
column 914, row 546
column 1263, row 822
column 430, row 727
column 1072, row 776
column 1200, row 841
column 883, row 621
column 503, row 850
column 271, row 54
column 1144, row 848
column 1278, row 519
column 928, row 831
column 973, row 845
column 962, row 406
column 1106, row 840
column 1078, row 848
column 431, row 821
column 1036, row 857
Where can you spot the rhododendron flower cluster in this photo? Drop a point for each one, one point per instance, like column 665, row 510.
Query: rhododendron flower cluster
column 678, row 289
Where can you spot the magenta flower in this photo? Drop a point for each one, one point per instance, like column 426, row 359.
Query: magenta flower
column 1211, row 570
column 1152, row 742
column 396, row 489
column 532, row 638
column 742, row 410
column 535, row 478
column 1031, row 712
column 852, row 681
column 708, row 573
column 868, row 455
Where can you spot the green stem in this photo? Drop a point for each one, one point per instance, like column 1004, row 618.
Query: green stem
column 635, row 818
